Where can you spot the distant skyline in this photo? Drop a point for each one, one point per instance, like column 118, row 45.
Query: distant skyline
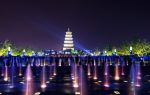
column 94, row 23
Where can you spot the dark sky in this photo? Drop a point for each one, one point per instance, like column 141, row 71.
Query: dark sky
column 94, row 23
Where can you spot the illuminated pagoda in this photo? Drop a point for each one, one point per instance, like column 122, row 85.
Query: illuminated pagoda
column 68, row 42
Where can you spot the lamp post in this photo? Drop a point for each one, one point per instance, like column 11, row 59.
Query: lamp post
column 9, row 51
column 131, row 50
column 24, row 52
column 115, row 52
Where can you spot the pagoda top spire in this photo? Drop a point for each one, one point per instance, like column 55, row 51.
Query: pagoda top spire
column 68, row 29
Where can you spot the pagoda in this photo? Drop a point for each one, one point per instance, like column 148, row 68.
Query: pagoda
column 68, row 41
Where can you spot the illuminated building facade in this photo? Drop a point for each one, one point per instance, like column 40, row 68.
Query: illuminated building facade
column 68, row 42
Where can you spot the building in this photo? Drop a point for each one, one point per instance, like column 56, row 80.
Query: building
column 68, row 41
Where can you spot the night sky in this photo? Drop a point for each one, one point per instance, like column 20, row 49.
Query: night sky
column 94, row 23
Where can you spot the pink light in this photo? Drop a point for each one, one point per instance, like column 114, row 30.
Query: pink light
column 29, row 84
column 117, row 72
column 6, row 74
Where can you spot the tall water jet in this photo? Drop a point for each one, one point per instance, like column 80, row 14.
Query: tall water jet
column 106, row 68
column 75, row 77
column 43, row 81
column 60, row 60
column 132, row 74
column 117, row 72
column 50, row 72
column 138, row 75
column 99, row 62
column 6, row 73
column 72, row 71
column 95, row 71
column 122, row 69
column 29, row 80
column 12, row 73
column 54, row 69
column 20, row 70
column 89, row 69
column 69, row 61
column 82, row 82
column 106, row 75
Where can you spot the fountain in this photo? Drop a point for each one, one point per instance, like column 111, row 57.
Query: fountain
column 138, row 75
column 54, row 69
column 95, row 71
column 89, row 69
column 117, row 72
column 122, row 69
column 106, row 75
column 69, row 61
column 43, row 82
column 82, row 82
column 60, row 62
column 12, row 73
column 75, row 77
column 132, row 73
column 6, row 73
column 5, row 70
column 28, row 84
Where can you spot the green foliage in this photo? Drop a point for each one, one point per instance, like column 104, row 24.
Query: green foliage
column 140, row 48
column 97, row 52
column 4, row 47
